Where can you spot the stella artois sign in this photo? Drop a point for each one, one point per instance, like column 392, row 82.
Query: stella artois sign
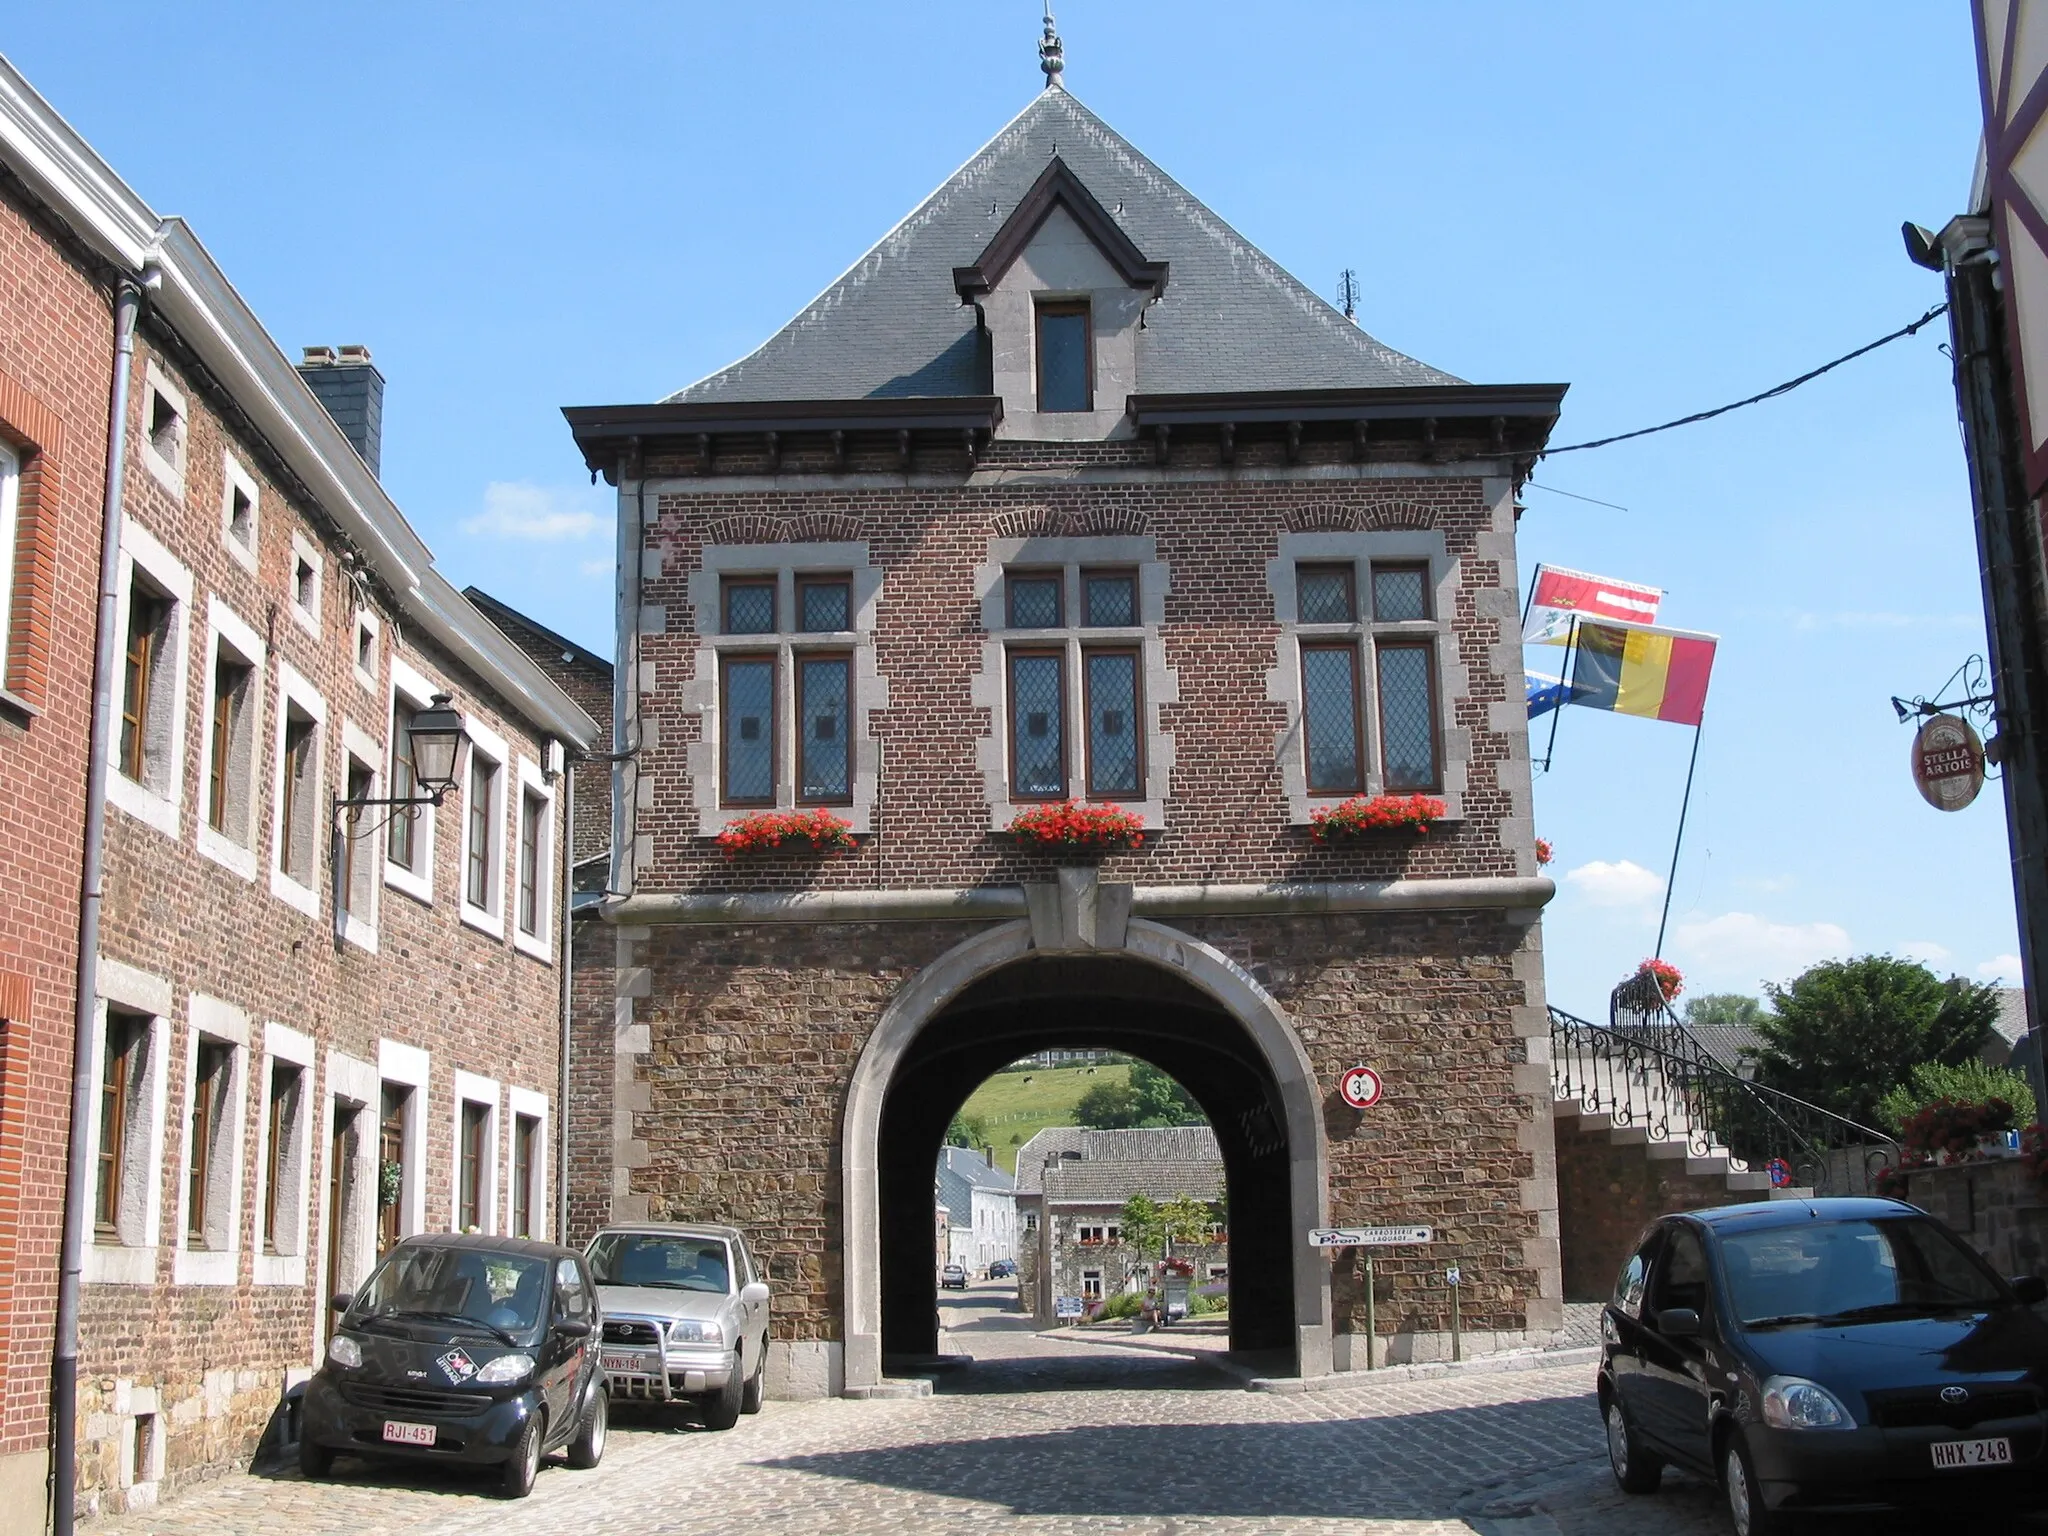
column 1948, row 762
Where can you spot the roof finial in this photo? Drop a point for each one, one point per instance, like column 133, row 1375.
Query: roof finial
column 1052, row 54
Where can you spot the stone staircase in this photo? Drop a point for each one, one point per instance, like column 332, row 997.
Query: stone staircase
column 1650, row 1114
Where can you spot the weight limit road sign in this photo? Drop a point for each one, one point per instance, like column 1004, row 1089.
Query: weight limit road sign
column 1360, row 1087
column 1368, row 1237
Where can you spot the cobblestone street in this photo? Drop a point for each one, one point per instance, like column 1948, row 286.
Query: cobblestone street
column 1042, row 1434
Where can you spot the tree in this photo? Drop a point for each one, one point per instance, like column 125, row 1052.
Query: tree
column 1108, row 1107
column 1149, row 1098
column 1144, row 1228
column 1186, row 1219
column 1725, row 1008
column 967, row 1131
column 1845, row 1033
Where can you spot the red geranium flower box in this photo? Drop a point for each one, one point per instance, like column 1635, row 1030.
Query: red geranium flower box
column 1670, row 981
column 816, row 831
column 1068, row 824
column 1379, row 813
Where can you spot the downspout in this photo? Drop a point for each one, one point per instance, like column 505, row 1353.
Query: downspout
column 78, row 1158
column 565, row 921
column 626, row 680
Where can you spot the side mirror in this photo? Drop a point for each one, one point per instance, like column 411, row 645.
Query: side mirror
column 573, row 1328
column 1679, row 1323
column 339, row 1301
column 2032, row 1290
column 754, row 1293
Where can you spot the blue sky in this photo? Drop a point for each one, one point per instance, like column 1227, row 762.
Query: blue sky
column 524, row 206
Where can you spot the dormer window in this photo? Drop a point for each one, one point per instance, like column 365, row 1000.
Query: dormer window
column 1066, row 356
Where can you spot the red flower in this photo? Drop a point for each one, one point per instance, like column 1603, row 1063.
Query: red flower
column 1670, row 980
column 1359, row 815
column 766, row 831
column 1543, row 853
column 1070, row 825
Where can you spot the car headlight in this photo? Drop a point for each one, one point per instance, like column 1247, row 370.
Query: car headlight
column 689, row 1330
column 1793, row 1402
column 505, row 1370
column 344, row 1352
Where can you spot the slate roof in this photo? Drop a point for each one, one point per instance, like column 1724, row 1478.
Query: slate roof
column 962, row 1171
column 1189, row 1151
column 893, row 325
column 1113, row 1182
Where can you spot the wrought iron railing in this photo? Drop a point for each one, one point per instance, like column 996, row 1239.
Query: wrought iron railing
column 1648, row 1071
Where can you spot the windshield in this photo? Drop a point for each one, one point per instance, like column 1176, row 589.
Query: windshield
column 499, row 1292
column 1836, row 1270
column 654, row 1259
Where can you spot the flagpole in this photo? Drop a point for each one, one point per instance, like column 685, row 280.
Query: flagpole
column 1530, row 601
column 1565, row 678
column 1678, row 842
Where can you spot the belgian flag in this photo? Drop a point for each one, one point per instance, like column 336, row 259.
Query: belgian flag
column 1632, row 669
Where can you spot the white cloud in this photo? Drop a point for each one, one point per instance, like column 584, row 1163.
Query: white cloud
column 1926, row 951
column 2005, row 968
column 540, row 514
column 596, row 567
column 1738, row 949
column 1622, row 883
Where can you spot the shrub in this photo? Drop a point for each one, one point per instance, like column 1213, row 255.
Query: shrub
column 1946, row 1126
column 1969, row 1082
column 1123, row 1304
column 1206, row 1302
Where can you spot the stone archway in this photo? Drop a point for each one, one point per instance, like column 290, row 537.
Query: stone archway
column 1240, row 1020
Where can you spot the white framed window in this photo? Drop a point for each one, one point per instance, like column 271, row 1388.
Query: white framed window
column 10, row 533
column 306, row 578
column 362, row 836
column 299, row 810
column 130, row 1047
column 482, row 865
column 786, row 681
column 239, row 507
column 164, row 429
column 230, row 741
column 474, row 1187
column 284, row 1105
column 152, row 614
column 1091, row 1285
column 363, row 648
column 1367, row 668
column 345, row 1194
column 402, row 1107
column 409, row 834
column 533, row 887
column 526, row 1164
column 208, row 1236
column 1074, row 674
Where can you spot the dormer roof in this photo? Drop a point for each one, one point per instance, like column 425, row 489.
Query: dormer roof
column 1058, row 187
column 894, row 326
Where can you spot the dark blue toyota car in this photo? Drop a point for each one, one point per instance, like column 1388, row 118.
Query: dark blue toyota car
column 469, row 1350
column 1825, row 1355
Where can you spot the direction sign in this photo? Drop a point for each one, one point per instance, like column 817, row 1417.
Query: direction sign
column 1068, row 1306
column 1368, row 1237
column 1360, row 1087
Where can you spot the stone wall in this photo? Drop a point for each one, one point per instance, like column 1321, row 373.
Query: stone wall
column 1997, row 1207
column 1607, row 1193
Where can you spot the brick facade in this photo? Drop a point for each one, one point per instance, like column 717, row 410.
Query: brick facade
column 56, row 348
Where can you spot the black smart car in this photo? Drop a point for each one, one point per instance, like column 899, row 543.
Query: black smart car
column 1825, row 1355
column 463, row 1349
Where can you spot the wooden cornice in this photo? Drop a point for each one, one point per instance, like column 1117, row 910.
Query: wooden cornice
column 1058, row 187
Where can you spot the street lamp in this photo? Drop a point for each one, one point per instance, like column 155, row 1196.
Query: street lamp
column 434, row 746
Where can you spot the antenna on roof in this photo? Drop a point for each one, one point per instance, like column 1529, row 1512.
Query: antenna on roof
column 1052, row 54
column 1347, row 293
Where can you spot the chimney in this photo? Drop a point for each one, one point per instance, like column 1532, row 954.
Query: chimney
column 352, row 389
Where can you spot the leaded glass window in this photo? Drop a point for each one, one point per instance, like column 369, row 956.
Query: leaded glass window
column 1034, row 601
column 1324, row 594
column 1400, row 593
column 1065, row 358
column 824, row 607
column 823, row 684
column 1407, row 717
column 1110, row 599
column 750, row 607
column 1037, row 726
column 1329, row 690
column 749, row 688
column 1112, row 678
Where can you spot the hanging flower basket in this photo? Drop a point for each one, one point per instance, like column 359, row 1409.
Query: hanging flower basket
column 816, row 831
column 1543, row 852
column 1359, row 816
column 1670, row 981
column 1068, row 825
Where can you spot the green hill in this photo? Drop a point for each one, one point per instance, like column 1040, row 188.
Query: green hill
column 1015, row 1106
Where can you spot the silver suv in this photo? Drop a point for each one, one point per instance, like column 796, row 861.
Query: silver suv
column 685, row 1317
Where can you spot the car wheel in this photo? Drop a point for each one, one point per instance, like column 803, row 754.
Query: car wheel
column 1747, row 1512
column 587, row 1449
column 315, row 1460
column 722, row 1408
column 757, row 1384
column 524, row 1464
column 1635, row 1469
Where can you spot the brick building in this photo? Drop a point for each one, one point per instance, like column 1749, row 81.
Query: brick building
column 1065, row 488
column 311, row 1030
